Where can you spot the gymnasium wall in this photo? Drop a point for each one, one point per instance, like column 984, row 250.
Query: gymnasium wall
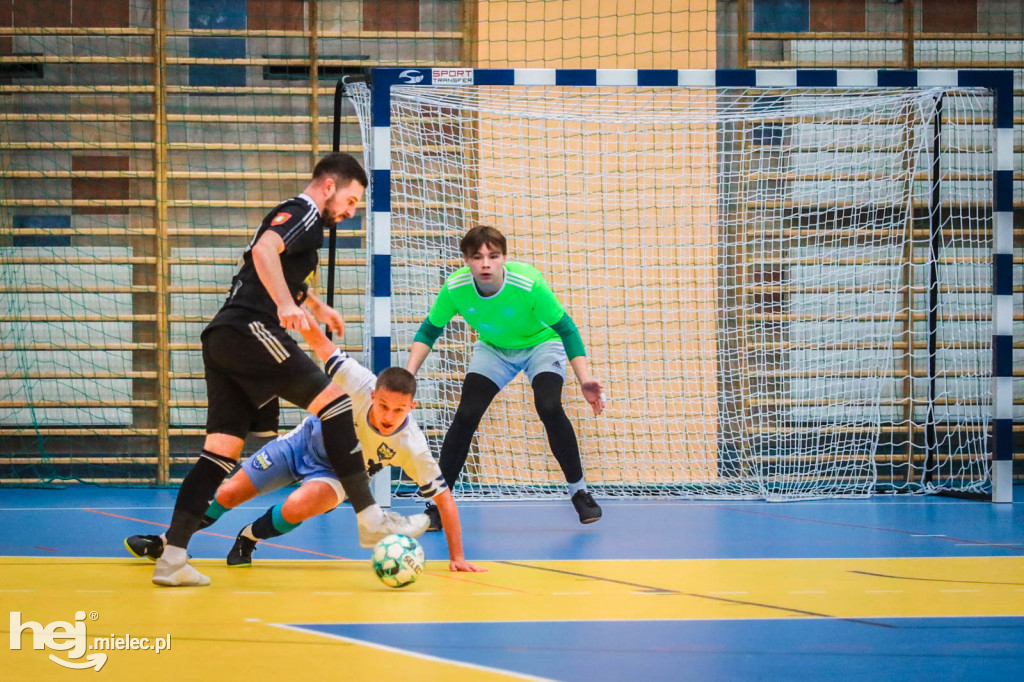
column 142, row 140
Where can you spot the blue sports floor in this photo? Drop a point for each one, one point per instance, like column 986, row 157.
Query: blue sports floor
column 887, row 588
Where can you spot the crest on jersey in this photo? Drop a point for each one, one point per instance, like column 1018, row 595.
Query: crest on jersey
column 384, row 453
column 280, row 218
column 261, row 461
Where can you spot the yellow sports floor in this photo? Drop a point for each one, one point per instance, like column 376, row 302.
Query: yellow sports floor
column 888, row 588
column 231, row 629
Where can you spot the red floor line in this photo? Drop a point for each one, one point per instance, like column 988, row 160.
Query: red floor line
column 461, row 577
column 219, row 535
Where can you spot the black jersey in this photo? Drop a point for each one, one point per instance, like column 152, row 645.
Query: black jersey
column 301, row 227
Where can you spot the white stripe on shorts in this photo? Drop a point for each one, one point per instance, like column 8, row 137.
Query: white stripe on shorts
column 269, row 341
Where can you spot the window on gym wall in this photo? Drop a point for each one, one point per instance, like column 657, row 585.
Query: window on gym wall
column 782, row 15
column 950, row 15
column 810, row 15
column 216, row 15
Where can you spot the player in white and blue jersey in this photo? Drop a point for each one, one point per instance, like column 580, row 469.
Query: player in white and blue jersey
column 388, row 435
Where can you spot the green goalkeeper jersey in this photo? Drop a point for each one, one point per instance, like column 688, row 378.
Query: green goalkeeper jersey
column 522, row 314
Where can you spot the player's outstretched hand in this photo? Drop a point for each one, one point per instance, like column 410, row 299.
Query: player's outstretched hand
column 332, row 318
column 593, row 391
column 291, row 316
column 310, row 319
column 465, row 566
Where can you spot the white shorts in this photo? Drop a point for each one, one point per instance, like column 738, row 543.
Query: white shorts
column 502, row 365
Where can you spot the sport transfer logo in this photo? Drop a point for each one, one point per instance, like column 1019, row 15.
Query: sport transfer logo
column 72, row 638
column 411, row 76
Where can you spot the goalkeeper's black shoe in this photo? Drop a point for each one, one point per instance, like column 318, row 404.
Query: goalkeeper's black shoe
column 588, row 510
column 434, row 514
column 149, row 546
column 241, row 552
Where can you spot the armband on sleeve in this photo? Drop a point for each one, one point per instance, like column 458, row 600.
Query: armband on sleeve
column 335, row 362
column 428, row 333
column 570, row 335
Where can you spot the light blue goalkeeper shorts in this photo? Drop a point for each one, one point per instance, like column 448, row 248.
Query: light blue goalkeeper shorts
column 502, row 365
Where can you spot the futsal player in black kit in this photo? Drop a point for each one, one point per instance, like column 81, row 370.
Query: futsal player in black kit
column 250, row 361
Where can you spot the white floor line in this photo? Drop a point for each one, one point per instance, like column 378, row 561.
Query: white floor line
column 414, row 654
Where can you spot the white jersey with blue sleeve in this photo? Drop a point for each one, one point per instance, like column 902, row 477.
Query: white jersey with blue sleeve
column 406, row 447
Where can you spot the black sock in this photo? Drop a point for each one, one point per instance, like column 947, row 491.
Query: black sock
column 263, row 527
column 345, row 453
column 195, row 495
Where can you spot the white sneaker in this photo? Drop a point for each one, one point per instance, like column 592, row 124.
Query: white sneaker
column 414, row 526
column 183, row 575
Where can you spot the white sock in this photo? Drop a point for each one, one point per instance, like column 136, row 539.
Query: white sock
column 247, row 532
column 577, row 486
column 175, row 555
column 371, row 518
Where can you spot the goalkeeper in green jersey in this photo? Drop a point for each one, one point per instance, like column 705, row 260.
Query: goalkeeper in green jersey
column 522, row 327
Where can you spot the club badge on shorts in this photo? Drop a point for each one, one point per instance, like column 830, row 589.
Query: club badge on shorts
column 261, row 461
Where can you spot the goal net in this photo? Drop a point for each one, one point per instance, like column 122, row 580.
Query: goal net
column 785, row 292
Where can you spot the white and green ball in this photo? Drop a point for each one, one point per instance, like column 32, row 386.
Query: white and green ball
column 398, row 560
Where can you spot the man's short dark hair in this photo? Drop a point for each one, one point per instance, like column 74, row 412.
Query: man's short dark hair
column 482, row 235
column 398, row 380
column 342, row 167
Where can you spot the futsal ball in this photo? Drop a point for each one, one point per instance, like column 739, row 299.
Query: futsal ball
column 398, row 560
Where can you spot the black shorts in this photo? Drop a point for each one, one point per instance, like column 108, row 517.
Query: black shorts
column 267, row 420
column 247, row 369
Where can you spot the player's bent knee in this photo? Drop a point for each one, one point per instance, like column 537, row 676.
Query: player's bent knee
column 548, row 409
column 316, row 496
column 224, row 444
column 547, row 396
column 469, row 413
column 477, row 393
column 331, row 392
column 236, row 490
column 333, row 494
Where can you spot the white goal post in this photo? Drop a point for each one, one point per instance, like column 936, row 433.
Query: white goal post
column 793, row 284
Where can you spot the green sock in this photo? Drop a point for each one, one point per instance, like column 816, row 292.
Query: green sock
column 216, row 510
column 272, row 524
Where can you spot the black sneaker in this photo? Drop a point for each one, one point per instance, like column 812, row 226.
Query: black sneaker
column 434, row 514
column 149, row 546
column 588, row 510
column 241, row 551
